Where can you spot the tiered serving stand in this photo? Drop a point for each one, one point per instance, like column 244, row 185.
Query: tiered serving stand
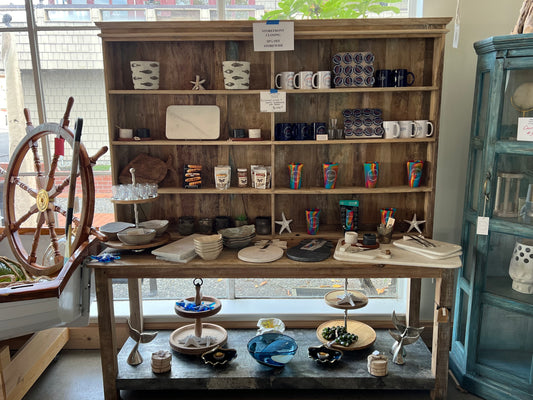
column 199, row 328
column 158, row 240
column 339, row 299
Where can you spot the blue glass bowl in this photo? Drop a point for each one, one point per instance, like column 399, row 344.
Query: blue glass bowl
column 272, row 349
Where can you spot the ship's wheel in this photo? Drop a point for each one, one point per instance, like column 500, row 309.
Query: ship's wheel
column 41, row 195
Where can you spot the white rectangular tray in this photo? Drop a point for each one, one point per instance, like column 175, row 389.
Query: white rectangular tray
column 193, row 122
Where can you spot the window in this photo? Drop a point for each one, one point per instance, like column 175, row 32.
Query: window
column 68, row 62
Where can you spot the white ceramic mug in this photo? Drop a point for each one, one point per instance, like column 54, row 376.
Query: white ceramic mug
column 423, row 128
column 236, row 74
column 303, row 80
column 285, row 80
column 321, row 80
column 392, row 129
column 407, row 129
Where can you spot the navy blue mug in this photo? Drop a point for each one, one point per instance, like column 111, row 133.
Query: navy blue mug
column 401, row 78
column 318, row 128
column 284, row 131
column 384, row 78
column 301, row 131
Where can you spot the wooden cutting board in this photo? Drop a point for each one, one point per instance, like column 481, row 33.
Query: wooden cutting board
column 256, row 254
column 441, row 249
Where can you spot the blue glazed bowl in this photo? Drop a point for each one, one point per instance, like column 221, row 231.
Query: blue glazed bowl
column 272, row 349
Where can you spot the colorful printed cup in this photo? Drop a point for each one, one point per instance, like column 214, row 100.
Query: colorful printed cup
column 414, row 172
column 295, row 175
column 385, row 214
column 371, row 174
column 330, row 174
column 312, row 220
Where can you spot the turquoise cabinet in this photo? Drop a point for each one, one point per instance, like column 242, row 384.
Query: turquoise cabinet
column 492, row 345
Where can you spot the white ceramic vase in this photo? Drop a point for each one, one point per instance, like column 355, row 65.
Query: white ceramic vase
column 521, row 266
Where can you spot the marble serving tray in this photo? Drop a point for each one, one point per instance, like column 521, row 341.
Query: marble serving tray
column 193, row 122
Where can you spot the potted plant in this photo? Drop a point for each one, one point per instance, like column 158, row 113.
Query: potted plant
column 241, row 220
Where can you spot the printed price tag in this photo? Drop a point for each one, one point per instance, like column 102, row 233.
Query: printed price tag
column 483, row 226
column 274, row 36
column 525, row 129
column 273, row 101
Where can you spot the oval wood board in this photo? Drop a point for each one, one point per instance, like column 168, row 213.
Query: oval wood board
column 256, row 254
column 366, row 335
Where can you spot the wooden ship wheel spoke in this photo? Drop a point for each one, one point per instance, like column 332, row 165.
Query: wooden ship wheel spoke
column 45, row 199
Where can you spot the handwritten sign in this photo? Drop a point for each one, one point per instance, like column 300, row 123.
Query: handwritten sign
column 273, row 101
column 274, row 36
column 525, row 129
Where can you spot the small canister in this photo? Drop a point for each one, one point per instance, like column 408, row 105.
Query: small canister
column 242, row 177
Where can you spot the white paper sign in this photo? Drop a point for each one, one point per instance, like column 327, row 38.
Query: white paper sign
column 274, row 36
column 483, row 226
column 273, row 101
column 525, row 129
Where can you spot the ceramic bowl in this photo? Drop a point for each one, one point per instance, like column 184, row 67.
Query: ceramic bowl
column 112, row 228
column 272, row 349
column 159, row 225
column 324, row 355
column 136, row 236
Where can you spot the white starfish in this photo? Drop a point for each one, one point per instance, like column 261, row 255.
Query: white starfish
column 347, row 298
column 414, row 224
column 198, row 83
column 284, row 223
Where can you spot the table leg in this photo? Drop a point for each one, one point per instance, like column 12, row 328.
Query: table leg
column 412, row 315
column 108, row 339
column 442, row 335
column 136, row 304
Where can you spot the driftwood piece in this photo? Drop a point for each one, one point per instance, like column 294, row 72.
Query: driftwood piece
column 148, row 169
column 525, row 19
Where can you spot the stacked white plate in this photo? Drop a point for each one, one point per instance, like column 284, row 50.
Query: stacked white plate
column 208, row 247
column 239, row 237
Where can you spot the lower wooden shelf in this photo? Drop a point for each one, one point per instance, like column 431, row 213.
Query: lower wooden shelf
column 190, row 373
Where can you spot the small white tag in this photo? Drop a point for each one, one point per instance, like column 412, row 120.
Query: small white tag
column 456, row 35
column 482, row 226
column 525, row 129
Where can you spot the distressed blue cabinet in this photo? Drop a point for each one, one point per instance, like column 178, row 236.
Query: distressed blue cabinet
column 492, row 345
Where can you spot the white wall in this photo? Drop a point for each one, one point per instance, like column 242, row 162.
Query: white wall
column 479, row 19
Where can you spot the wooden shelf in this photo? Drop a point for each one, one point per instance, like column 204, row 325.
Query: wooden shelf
column 256, row 92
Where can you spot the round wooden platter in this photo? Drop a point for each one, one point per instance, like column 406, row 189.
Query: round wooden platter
column 332, row 299
column 366, row 335
column 199, row 314
column 138, row 201
column 212, row 330
column 158, row 241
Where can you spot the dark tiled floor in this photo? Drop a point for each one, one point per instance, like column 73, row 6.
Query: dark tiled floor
column 76, row 374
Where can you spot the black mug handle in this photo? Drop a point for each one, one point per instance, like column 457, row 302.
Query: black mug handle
column 407, row 78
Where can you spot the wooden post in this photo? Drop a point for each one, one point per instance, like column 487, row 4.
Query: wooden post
column 136, row 304
column 106, row 330
column 442, row 335
column 412, row 315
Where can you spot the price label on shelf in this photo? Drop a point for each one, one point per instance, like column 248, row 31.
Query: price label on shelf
column 482, row 226
column 525, row 129
column 273, row 101
column 274, row 36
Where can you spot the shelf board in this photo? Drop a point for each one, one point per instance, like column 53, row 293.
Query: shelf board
column 258, row 91
column 498, row 291
column 354, row 190
column 350, row 141
column 302, row 191
column 169, row 142
column 213, row 191
column 301, row 372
